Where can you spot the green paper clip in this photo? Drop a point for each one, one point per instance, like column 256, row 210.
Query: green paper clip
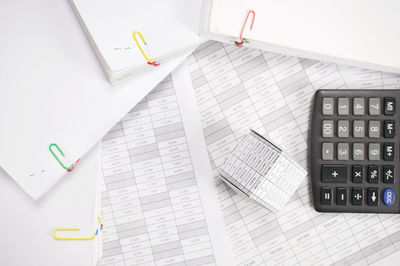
column 58, row 159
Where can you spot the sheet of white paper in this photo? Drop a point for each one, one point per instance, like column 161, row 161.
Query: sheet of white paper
column 158, row 195
column 53, row 91
column 336, row 31
column 27, row 227
column 167, row 27
column 241, row 88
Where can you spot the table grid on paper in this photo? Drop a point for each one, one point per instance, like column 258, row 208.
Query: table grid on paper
column 151, row 206
column 241, row 88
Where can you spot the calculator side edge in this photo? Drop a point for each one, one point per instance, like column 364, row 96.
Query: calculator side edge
column 313, row 149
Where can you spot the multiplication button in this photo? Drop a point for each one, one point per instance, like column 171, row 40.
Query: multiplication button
column 358, row 174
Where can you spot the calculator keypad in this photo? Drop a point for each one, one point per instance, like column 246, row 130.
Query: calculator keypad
column 354, row 146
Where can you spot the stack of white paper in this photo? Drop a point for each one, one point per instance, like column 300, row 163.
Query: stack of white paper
column 53, row 91
column 27, row 227
column 168, row 27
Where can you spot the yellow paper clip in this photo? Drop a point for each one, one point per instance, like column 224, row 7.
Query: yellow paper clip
column 75, row 229
column 149, row 61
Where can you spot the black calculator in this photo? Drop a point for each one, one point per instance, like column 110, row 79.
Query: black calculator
column 354, row 151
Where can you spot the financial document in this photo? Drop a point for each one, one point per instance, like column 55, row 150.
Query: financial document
column 158, row 200
column 241, row 88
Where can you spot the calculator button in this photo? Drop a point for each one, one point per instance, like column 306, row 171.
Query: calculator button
column 326, row 196
column 334, row 173
column 357, row 196
column 327, row 106
column 358, row 106
column 341, row 196
column 374, row 152
column 343, row 106
column 388, row 174
column 389, row 106
column 373, row 174
column 358, row 128
column 327, row 128
column 358, row 151
column 327, row 151
column 343, row 129
column 343, row 151
column 373, row 196
column 389, row 197
column 388, row 151
column 389, row 129
column 358, row 173
column 374, row 106
column 374, row 129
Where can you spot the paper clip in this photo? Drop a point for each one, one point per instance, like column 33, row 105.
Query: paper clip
column 75, row 229
column 149, row 61
column 68, row 168
column 244, row 40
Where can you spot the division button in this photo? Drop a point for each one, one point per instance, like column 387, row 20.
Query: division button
column 389, row 106
column 388, row 151
column 358, row 173
column 327, row 106
column 389, row 128
column 327, row 151
column 373, row 174
column 334, row 173
column 374, row 106
column 326, row 196
column 388, row 174
column 389, row 197
column 357, row 196
column 341, row 196
column 373, row 196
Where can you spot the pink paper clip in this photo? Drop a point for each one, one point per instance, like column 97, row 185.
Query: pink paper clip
column 244, row 40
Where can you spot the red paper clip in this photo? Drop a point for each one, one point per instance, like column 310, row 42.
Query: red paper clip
column 244, row 40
